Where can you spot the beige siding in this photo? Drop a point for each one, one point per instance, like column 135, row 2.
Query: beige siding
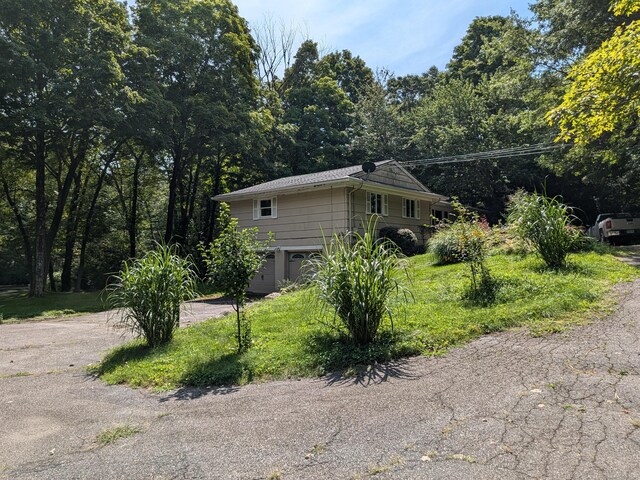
column 394, row 218
column 393, row 176
column 302, row 218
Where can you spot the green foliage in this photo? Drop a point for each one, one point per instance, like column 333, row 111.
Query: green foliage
column 403, row 238
column 356, row 277
column 472, row 235
column 604, row 94
column 290, row 342
column 443, row 245
column 148, row 293
column 232, row 260
column 111, row 435
column 546, row 224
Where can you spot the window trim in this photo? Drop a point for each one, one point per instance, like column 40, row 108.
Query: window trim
column 416, row 208
column 384, row 201
column 257, row 208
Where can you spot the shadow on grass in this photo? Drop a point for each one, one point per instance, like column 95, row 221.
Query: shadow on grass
column 137, row 350
column 358, row 364
column 569, row 269
column 20, row 306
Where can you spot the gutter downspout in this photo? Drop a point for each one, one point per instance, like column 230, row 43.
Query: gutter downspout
column 350, row 203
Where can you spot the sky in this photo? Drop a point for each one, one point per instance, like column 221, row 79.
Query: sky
column 404, row 36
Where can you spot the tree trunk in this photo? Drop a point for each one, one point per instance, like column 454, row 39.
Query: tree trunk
column 52, row 280
column 133, row 217
column 89, row 221
column 71, row 231
column 176, row 176
column 26, row 242
column 40, row 265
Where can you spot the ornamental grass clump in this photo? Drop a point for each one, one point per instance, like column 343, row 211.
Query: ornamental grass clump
column 357, row 278
column 443, row 245
column 545, row 224
column 148, row 292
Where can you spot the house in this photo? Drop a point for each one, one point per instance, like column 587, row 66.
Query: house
column 302, row 210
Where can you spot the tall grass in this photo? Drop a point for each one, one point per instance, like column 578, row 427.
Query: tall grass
column 148, row 292
column 357, row 278
column 545, row 223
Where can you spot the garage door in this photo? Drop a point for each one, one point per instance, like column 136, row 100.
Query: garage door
column 295, row 262
column 265, row 280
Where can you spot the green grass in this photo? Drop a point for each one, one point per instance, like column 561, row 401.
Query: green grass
column 289, row 341
column 111, row 435
column 21, row 306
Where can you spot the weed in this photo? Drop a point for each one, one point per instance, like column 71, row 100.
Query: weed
column 462, row 457
column 111, row 435
column 15, row 375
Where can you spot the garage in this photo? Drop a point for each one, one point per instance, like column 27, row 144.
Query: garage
column 265, row 280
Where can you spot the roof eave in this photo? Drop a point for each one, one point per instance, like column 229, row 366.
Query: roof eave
column 339, row 182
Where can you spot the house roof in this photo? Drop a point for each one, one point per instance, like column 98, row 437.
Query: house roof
column 344, row 175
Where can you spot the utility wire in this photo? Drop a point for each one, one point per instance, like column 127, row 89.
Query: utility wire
column 525, row 150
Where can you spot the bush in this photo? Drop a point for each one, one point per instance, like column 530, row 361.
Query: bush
column 357, row 277
column 148, row 293
column 443, row 245
column 546, row 225
column 404, row 239
column 473, row 235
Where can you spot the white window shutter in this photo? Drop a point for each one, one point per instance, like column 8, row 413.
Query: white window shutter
column 256, row 209
column 274, row 207
column 368, row 195
column 385, row 204
column 418, row 210
column 404, row 207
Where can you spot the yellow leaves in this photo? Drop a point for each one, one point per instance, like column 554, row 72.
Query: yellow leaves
column 625, row 7
column 604, row 93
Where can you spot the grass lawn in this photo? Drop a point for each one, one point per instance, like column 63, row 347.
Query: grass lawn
column 20, row 306
column 290, row 341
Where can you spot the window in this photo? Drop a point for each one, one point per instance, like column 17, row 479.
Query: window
column 377, row 203
column 410, row 208
column 265, row 208
column 439, row 215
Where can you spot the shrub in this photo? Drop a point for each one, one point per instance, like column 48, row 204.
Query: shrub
column 473, row 234
column 232, row 260
column 357, row 277
column 148, row 292
column 404, row 239
column 443, row 245
column 546, row 225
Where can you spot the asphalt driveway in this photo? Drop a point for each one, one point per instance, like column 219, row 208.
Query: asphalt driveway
column 506, row 406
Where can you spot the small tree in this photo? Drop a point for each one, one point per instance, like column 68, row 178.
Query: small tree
column 232, row 260
column 148, row 293
column 471, row 234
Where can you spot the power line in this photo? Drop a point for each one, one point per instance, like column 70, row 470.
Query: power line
column 524, row 150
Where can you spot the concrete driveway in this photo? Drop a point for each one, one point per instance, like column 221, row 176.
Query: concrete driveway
column 507, row 406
